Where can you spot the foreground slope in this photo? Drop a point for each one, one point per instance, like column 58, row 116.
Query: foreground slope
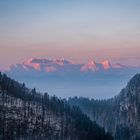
column 119, row 115
column 27, row 114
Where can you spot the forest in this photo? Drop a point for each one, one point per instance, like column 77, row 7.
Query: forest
column 31, row 115
column 120, row 115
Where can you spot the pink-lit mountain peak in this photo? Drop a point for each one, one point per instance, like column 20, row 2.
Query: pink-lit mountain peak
column 48, row 65
column 91, row 65
column 30, row 63
column 106, row 64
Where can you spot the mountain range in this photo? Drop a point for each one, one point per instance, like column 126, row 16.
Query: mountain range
column 55, row 65
column 63, row 77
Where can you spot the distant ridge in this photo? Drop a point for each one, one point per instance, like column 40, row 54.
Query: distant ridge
column 68, row 77
column 52, row 65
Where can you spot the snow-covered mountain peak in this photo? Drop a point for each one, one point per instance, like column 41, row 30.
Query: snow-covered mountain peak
column 30, row 62
column 106, row 64
column 91, row 65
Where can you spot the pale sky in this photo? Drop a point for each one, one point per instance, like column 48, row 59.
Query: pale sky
column 78, row 30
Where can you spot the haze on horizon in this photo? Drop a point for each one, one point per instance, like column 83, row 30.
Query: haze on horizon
column 78, row 30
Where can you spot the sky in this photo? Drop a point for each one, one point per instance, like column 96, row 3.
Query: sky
column 78, row 30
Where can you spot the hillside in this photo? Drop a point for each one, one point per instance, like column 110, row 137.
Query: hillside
column 119, row 115
column 27, row 114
